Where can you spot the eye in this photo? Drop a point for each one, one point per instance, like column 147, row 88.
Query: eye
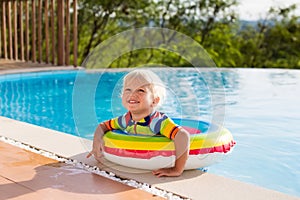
column 127, row 90
column 141, row 90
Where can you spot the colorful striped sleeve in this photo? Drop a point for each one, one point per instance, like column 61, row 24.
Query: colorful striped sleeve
column 169, row 128
column 112, row 124
column 120, row 122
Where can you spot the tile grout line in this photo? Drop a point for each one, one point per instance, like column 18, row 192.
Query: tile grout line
column 28, row 188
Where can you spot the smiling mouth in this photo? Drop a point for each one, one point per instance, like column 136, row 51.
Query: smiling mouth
column 133, row 102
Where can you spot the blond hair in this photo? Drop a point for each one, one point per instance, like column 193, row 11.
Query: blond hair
column 146, row 76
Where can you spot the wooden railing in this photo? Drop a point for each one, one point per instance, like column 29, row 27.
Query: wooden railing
column 43, row 31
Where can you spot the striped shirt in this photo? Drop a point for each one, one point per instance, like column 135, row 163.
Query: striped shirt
column 156, row 123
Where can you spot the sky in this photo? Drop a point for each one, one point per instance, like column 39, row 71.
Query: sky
column 257, row 9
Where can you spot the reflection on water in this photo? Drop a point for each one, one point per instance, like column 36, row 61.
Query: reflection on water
column 41, row 101
column 260, row 107
column 283, row 78
column 264, row 121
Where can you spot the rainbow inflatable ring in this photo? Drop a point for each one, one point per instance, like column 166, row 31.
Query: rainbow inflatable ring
column 209, row 144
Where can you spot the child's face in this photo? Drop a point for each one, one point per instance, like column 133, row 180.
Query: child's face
column 138, row 98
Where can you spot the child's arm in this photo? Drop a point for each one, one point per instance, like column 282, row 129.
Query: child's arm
column 98, row 142
column 182, row 147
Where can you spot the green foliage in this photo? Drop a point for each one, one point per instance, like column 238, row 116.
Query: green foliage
column 222, row 47
column 274, row 43
column 271, row 42
column 153, row 57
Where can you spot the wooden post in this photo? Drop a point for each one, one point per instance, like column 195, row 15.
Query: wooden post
column 40, row 44
column 67, row 33
column 15, row 22
column 26, row 31
column 75, row 40
column 1, row 3
column 33, row 34
column 21, row 30
column 46, row 31
column 4, row 44
column 10, row 56
column 60, row 32
column 1, row 37
column 53, row 32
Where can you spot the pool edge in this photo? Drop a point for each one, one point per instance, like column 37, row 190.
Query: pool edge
column 193, row 184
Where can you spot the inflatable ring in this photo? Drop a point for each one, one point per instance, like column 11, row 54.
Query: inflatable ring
column 209, row 144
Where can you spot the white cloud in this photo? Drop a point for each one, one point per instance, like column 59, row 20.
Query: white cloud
column 257, row 9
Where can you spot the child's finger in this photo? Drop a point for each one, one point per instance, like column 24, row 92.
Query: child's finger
column 89, row 155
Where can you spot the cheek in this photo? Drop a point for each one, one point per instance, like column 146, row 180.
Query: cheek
column 123, row 97
column 125, row 105
column 149, row 99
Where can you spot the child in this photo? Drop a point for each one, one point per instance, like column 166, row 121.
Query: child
column 142, row 92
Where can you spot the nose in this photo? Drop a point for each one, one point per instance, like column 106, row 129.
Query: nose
column 132, row 93
column 129, row 93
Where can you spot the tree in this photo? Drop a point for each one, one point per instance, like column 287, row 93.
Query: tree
column 270, row 42
column 200, row 19
column 274, row 42
column 99, row 20
column 282, row 40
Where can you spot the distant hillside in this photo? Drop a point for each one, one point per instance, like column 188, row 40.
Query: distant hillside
column 247, row 23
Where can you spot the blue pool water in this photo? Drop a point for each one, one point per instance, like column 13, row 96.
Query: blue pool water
column 262, row 110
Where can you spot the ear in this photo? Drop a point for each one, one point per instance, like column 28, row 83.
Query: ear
column 156, row 101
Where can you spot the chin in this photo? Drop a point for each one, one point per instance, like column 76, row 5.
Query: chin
column 131, row 109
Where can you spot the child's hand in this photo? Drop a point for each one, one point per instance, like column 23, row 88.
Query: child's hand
column 96, row 151
column 167, row 172
column 98, row 143
column 182, row 144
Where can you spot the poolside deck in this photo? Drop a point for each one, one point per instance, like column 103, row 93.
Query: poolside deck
column 10, row 66
column 25, row 175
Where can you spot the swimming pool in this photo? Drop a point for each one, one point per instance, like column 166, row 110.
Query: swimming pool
column 262, row 111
